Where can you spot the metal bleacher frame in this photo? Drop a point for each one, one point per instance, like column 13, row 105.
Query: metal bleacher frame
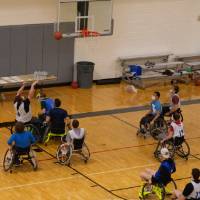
column 152, row 75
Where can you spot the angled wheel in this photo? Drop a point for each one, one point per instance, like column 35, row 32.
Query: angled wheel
column 170, row 188
column 64, row 154
column 34, row 130
column 157, row 134
column 161, row 124
column 8, row 160
column 183, row 150
column 33, row 159
column 85, row 152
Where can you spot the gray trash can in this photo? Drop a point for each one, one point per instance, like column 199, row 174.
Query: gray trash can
column 85, row 74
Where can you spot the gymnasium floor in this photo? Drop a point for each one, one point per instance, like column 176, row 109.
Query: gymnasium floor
column 117, row 154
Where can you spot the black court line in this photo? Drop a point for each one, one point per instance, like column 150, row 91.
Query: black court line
column 83, row 175
column 124, row 121
column 125, row 110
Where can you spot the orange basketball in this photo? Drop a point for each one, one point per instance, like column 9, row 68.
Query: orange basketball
column 58, row 35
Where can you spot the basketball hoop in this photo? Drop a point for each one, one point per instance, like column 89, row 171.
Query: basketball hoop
column 87, row 33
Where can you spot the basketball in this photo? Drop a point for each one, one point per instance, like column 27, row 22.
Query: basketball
column 58, row 35
column 131, row 89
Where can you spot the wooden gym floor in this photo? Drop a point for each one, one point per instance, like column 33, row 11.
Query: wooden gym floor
column 117, row 154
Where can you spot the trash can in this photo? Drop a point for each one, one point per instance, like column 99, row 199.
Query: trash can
column 85, row 74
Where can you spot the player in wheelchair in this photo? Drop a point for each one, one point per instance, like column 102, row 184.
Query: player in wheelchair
column 73, row 143
column 57, row 120
column 159, row 184
column 153, row 119
column 175, row 139
column 20, row 149
column 174, row 105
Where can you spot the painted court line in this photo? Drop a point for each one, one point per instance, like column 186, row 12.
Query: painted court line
column 79, row 176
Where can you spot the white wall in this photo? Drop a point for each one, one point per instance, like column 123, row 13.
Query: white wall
column 13, row 12
column 143, row 27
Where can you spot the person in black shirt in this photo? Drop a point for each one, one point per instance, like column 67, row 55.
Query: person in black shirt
column 58, row 117
column 192, row 189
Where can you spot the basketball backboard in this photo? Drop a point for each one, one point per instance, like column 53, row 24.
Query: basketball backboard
column 91, row 15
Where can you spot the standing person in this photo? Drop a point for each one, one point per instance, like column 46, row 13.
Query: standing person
column 192, row 189
column 175, row 102
column 22, row 104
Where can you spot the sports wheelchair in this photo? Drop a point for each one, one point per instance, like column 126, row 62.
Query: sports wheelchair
column 159, row 125
column 48, row 135
column 11, row 156
column 181, row 148
column 156, row 191
column 66, row 150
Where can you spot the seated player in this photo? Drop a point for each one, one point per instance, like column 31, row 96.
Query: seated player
column 192, row 189
column 175, row 102
column 58, row 117
column 163, row 175
column 152, row 114
column 75, row 133
column 46, row 104
column 175, row 131
column 22, row 104
column 21, row 141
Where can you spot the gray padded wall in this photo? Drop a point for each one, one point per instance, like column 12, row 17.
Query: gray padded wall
column 4, row 51
column 26, row 48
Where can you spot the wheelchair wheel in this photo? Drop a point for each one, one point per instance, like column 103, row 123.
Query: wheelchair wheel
column 152, row 192
column 85, row 152
column 157, row 134
column 33, row 159
column 170, row 188
column 45, row 136
column 64, row 154
column 161, row 124
column 183, row 150
column 169, row 145
column 8, row 160
column 34, row 130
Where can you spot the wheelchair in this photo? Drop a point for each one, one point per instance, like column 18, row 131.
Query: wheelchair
column 168, row 121
column 48, row 135
column 9, row 161
column 159, row 126
column 77, row 147
column 156, row 191
column 181, row 148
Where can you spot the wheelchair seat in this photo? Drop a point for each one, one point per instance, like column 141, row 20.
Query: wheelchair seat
column 78, row 143
column 52, row 133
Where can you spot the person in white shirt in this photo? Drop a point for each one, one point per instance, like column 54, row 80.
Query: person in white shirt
column 175, row 131
column 75, row 133
column 22, row 104
column 191, row 190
